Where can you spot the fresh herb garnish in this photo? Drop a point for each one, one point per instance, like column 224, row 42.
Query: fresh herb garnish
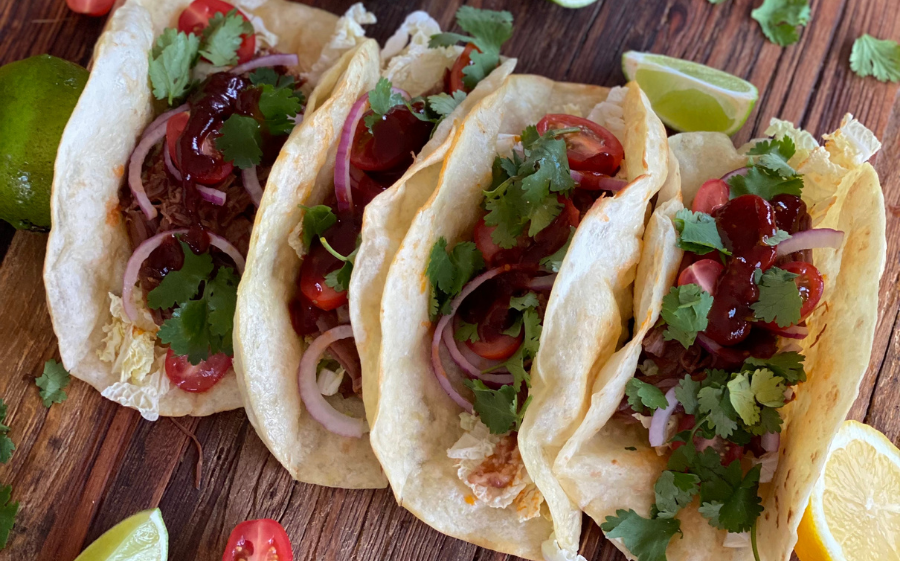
column 52, row 383
column 646, row 538
column 467, row 332
column 498, row 409
column 449, row 272
column 554, row 262
column 749, row 391
column 770, row 174
column 876, row 57
column 787, row 365
column 780, row 19
column 489, row 30
column 697, row 232
column 779, row 298
column 8, row 511
column 223, row 36
column 181, row 285
column 6, row 444
column 316, row 221
column 280, row 104
column 643, row 396
column 240, row 141
column 527, row 350
column 684, row 311
column 436, row 107
column 381, row 100
column 339, row 279
column 171, row 60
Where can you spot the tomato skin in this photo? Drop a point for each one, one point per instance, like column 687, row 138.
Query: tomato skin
column 90, row 7
column 196, row 378
column 704, row 273
column 456, row 72
column 195, row 18
column 221, row 169
column 174, row 127
column 500, row 347
column 711, row 195
column 258, row 540
column 594, row 149
column 318, row 263
column 811, row 286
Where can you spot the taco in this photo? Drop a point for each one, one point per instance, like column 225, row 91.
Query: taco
column 156, row 184
column 512, row 248
column 756, row 315
column 334, row 213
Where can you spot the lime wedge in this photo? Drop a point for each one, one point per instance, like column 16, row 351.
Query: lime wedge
column 573, row 3
column 142, row 537
column 691, row 97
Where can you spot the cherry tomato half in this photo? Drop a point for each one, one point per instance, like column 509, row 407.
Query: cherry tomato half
column 393, row 140
column 711, row 195
column 704, row 273
column 258, row 540
column 90, row 7
column 318, row 263
column 456, row 72
column 196, row 16
column 218, row 169
column 196, row 378
column 174, row 127
column 592, row 149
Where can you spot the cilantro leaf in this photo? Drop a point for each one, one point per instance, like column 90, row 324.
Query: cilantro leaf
column 180, row 286
column 768, row 388
column 171, row 60
column 714, row 402
column 339, row 279
column 769, row 421
column 316, row 221
column 441, row 269
column 240, row 141
column 743, row 399
column 697, row 232
column 527, row 350
column 221, row 299
column 498, row 409
column 686, row 393
column 489, row 30
column 6, row 444
column 646, row 538
column 779, row 19
column 279, row 106
column 737, row 504
column 674, row 491
column 450, row 271
column 8, row 511
column 787, row 365
column 52, row 383
column 779, row 297
column 684, row 310
column 767, row 184
column 774, row 155
column 876, row 57
column 443, row 104
column 467, row 332
column 267, row 75
column 522, row 303
column 780, row 236
column 642, row 395
column 381, row 100
column 554, row 262
column 223, row 36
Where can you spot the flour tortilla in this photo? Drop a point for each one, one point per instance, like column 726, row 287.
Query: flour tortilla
column 843, row 192
column 88, row 246
column 413, row 421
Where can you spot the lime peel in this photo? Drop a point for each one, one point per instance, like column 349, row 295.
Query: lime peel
column 141, row 537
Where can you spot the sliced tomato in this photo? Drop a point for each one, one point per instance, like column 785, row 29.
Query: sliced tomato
column 711, row 195
column 811, row 286
column 392, row 143
column 704, row 273
column 592, row 149
column 196, row 378
column 90, row 7
column 495, row 345
column 218, row 169
column 258, row 540
column 456, row 72
column 318, row 263
column 731, row 452
column 174, row 127
column 195, row 18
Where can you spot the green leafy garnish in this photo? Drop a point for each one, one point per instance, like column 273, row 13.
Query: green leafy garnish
column 498, row 409
column 521, row 303
column 876, row 57
column 436, row 107
column 554, row 262
column 787, row 365
column 779, row 298
column 674, row 491
column 52, row 383
column 6, row 444
column 780, row 236
column 8, row 511
column 686, row 393
column 181, row 285
column 316, row 221
column 749, row 391
column 646, row 538
column 467, row 332
column 729, row 500
column 280, row 105
column 769, row 173
column 450, row 271
column 643, row 396
column 684, row 311
column 527, row 350
column 201, row 328
column 713, row 402
column 697, row 232
column 339, row 279
column 381, row 100
column 779, row 19
column 171, row 60
column 240, row 141
column 223, row 36
column 489, row 30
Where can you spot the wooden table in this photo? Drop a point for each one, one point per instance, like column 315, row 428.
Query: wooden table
column 84, row 465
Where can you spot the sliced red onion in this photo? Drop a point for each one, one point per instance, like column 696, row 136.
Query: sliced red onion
column 209, row 194
column 736, row 541
column 769, row 463
column 661, row 419
column 141, row 253
column 542, row 283
column 317, row 406
column 791, row 348
column 229, row 250
column 251, row 184
column 171, row 166
column 266, row 61
column 770, row 441
column 342, row 160
column 454, row 349
column 402, row 92
column 730, row 174
column 811, row 239
column 135, row 164
column 794, row 332
column 603, row 184
column 164, row 118
column 725, row 353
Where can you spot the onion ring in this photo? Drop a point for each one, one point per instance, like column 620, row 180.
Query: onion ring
column 151, row 137
column 811, row 239
column 266, row 61
column 141, row 253
column 342, row 159
column 225, row 246
column 211, row 195
column 661, row 419
column 251, row 184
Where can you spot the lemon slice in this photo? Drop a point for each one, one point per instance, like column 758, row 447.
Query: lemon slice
column 691, row 97
column 854, row 511
column 142, row 537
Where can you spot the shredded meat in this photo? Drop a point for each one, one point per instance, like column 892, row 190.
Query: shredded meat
column 500, row 468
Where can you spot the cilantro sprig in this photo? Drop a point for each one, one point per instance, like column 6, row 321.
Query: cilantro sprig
column 498, row 409
column 381, row 100
column 779, row 297
column 223, row 36
column 449, row 271
column 489, row 30
column 240, row 141
column 8, row 511
column 173, row 56
column 876, row 57
column 52, row 383
column 697, row 232
column 316, row 221
column 6, row 444
column 279, row 100
column 769, row 173
column 684, row 310
column 435, row 107
column 779, row 19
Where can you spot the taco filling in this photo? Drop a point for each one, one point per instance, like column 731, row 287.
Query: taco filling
column 194, row 181
column 381, row 136
column 489, row 295
column 722, row 361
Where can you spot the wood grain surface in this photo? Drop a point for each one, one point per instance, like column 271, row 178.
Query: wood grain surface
column 83, row 465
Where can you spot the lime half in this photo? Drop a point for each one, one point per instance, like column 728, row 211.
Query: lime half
column 573, row 3
column 142, row 537
column 689, row 96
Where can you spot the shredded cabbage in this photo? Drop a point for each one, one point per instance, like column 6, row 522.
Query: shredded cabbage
column 411, row 65
column 348, row 33
column 610, row 113
column 552, row 552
